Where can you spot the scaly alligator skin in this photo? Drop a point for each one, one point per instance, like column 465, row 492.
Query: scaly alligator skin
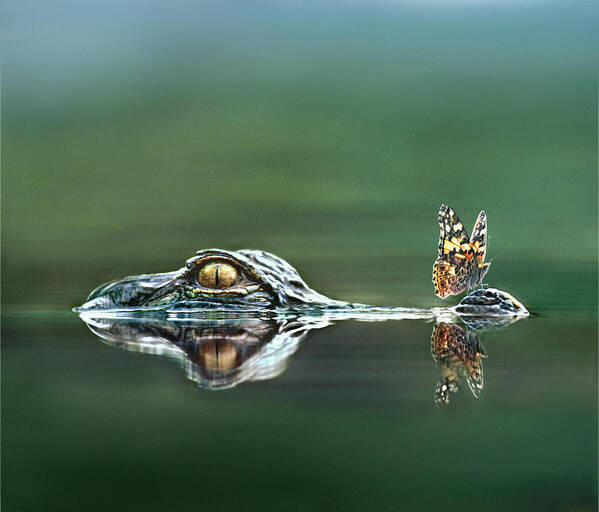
column 250, row 280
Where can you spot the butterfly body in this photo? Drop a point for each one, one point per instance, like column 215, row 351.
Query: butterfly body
column 461, row 261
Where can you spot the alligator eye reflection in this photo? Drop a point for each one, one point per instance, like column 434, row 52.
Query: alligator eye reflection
column 217, row 275
column 219, row 356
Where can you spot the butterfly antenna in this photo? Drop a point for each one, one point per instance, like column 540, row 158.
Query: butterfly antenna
column 500, row 253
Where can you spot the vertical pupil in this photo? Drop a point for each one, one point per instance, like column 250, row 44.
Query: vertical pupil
column 217, row 275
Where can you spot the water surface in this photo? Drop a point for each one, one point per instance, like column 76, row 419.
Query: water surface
column 351, row 422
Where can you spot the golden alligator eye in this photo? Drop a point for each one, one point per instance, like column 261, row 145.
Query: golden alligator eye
column 217, row 275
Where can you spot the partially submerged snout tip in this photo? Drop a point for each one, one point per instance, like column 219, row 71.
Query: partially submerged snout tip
column 491, row 302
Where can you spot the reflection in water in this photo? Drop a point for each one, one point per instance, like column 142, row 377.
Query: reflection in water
column 487, row 322
column 457, row 351
column 223, row 352
column 216, row 353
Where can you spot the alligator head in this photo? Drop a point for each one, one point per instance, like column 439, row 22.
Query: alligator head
column 212, row 279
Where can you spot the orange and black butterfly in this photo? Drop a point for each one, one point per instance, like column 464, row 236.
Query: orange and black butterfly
column 461, row 261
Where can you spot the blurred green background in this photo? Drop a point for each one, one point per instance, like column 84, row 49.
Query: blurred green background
column 136, row 132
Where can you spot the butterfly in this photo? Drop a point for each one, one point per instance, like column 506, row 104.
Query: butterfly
column 461, row 261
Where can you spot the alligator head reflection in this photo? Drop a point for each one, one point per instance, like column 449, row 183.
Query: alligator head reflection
column 216, row 353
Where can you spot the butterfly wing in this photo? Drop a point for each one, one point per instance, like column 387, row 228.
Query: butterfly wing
column 452, row 233
column 478, row 240
column 452, row 268
column 446, row 279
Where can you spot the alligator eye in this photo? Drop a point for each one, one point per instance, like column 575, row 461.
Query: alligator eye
column 217, row 275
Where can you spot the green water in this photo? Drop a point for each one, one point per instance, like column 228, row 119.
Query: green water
column 136, row 133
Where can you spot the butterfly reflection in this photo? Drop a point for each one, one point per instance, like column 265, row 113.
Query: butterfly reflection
column 459, row 353
column 216, row 353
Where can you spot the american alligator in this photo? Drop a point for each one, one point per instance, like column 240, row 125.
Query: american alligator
column 250, row 280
